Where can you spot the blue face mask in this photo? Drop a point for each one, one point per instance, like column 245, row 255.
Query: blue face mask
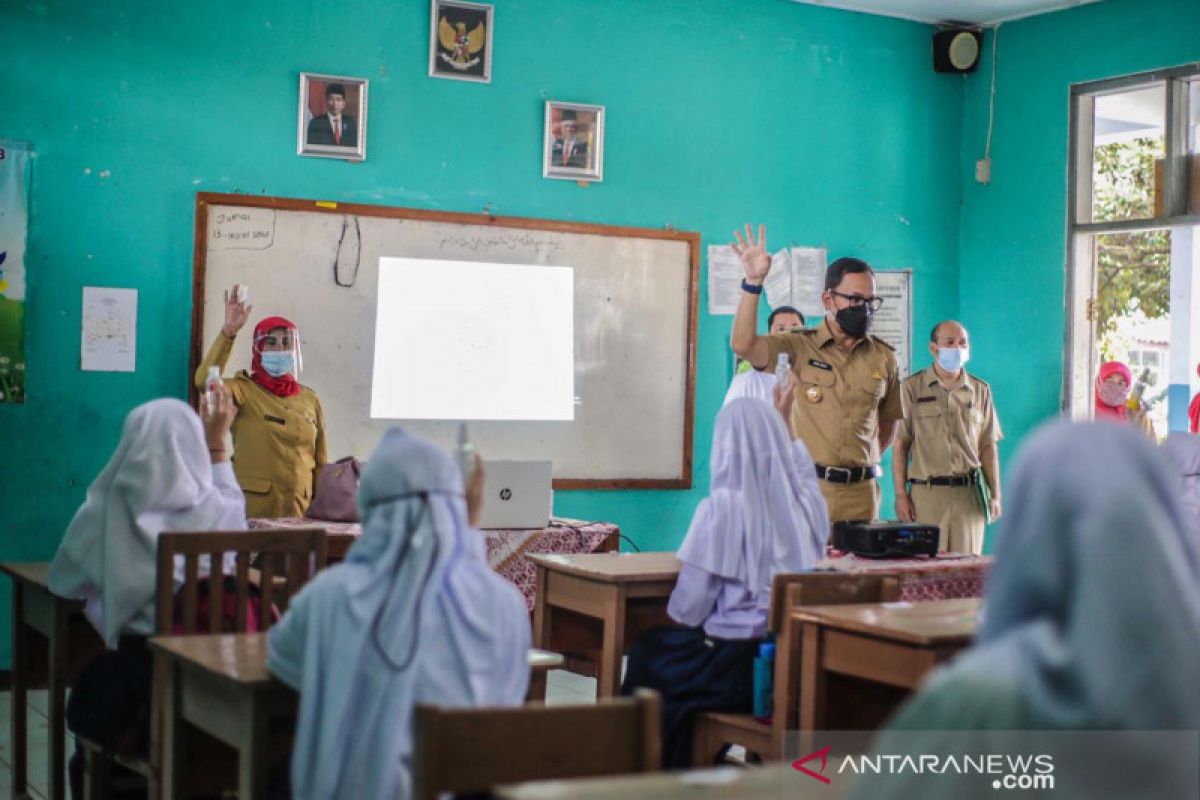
column 279, row 363
column 952, row 359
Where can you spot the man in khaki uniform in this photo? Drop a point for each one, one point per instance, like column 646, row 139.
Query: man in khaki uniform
column 847, row 398
column 950, row 430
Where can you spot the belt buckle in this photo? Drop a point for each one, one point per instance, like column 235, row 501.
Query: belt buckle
column 831, row 471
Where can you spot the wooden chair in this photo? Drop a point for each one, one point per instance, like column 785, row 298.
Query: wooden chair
column 463, row 750
column 714, row 731
column 290, row 559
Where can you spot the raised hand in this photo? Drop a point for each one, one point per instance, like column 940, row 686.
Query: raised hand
column 217, row 419
column 756, row 261
column 236, row 312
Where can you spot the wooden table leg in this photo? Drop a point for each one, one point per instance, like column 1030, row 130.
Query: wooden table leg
column 537, row 686
column 57, row 703
column 812, row 686
column 20, row 675
column 541, row 612
column 608, row 671
column 172, row 732
column 254, row 751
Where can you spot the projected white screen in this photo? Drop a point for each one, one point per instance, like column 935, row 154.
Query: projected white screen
column 473, row 340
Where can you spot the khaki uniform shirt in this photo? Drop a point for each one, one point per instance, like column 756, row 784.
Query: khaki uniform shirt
column 278, row 442
column 841, row 396
column 945, row 429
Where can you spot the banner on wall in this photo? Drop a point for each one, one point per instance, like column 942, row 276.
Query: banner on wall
column 14, row 217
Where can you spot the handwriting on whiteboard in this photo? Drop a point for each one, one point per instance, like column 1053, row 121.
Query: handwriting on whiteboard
column 241, row 228
column 499, row 241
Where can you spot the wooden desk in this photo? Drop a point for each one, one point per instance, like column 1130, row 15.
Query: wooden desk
column 220, row 684
column 594, row 603
column 893, row 644
column 770, row 782
column 52, row 641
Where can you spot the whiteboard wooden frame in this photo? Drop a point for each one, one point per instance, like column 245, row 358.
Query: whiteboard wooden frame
column 200, row 253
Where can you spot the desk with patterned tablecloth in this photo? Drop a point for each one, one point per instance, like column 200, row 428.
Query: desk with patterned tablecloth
column 506, row 549
column 946, row 576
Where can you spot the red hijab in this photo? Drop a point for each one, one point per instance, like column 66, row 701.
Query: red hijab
column 1194, row 410
column 284, row 385
column 1107, row 369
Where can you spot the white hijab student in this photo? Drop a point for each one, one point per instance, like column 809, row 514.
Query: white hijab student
column 162, row 477
column 1184, row 450
column 413, row 615
column 1092, row 617
column 764, row 514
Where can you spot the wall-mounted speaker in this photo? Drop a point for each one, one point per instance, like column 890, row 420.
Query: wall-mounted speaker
column 956, row 50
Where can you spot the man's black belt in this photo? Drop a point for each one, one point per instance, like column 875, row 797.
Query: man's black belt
column 848, row 474
column 946, row 480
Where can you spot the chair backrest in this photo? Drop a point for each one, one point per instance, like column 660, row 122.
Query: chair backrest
column 473, row 749
column 828, row 589
column 287, row 560
column 793, row 590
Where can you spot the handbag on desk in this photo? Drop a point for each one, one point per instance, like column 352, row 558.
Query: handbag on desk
column 336, row 495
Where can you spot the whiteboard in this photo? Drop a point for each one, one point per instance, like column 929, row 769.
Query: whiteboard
column 893, row 321
column 317, row 264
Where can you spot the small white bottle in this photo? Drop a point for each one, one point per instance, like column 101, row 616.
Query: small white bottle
column 212, row 389
column 465, row 454
column 783, row 366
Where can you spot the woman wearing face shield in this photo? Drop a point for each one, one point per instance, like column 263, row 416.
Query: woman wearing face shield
column 279, row 432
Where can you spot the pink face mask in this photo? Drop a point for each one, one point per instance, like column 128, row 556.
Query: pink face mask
column 1113, row 394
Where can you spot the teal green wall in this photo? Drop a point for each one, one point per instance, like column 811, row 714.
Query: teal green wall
column 827, row 126
column 1013, row 232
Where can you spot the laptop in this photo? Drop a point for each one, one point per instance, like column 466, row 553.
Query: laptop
column 516, row 494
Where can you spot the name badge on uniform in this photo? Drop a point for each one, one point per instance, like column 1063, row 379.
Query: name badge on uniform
column 926, row 399
column 813, row 393
column 812, row 362
column 276, row 420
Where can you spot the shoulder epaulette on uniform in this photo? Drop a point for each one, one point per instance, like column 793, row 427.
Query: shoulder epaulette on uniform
column 979, row 380
column 881, row 341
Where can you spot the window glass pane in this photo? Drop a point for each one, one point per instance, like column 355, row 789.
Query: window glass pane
column 1127, row 154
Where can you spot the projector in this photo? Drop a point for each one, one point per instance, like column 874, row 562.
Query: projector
column 885, row 539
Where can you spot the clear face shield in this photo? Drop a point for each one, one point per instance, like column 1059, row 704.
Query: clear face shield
column 279, row 351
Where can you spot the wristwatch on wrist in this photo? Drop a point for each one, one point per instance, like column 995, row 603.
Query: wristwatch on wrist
column 752, row 288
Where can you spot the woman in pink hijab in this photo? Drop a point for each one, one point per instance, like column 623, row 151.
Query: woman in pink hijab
column 1112, row 390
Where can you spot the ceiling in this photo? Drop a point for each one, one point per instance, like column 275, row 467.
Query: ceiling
column 975, row 12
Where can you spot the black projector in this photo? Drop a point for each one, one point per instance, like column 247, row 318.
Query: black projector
column 885, row 539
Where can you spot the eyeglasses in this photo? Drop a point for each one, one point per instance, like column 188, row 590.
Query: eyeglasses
column 855, row 300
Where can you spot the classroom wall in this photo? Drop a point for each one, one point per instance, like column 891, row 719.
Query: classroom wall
column 1012, row 276
column 828, row 126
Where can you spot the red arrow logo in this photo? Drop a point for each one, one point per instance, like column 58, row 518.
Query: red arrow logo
column 823, row 754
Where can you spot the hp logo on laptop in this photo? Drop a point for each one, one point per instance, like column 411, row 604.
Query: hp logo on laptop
column 506, row 494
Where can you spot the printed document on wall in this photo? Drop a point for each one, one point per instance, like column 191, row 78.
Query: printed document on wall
column 725, row 275
column 796, row 279
column 109, row 339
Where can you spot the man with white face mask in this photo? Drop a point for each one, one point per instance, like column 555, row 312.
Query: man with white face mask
column 950, row 431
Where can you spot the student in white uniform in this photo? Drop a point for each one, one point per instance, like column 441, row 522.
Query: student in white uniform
column 413, row 615
column 764, row 515
column 170, row 472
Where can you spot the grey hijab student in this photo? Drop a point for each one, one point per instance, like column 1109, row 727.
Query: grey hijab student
column 1091, row 623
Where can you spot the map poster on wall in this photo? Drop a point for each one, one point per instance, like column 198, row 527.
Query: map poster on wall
column 893, row 320
column 14, row 186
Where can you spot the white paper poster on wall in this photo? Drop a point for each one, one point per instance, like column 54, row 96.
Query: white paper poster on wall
column 725, row 275
column 796, row 279
column 109, row 331
column 893, row 320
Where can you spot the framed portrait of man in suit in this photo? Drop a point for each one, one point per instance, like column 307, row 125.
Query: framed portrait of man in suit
column 333, row 117
column 460, row 41
column 573, row 142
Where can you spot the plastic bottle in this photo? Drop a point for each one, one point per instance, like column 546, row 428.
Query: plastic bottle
column 1135, row 395
column 212, row 388
column 764, row 682
column 783, row 366
column 465, row 454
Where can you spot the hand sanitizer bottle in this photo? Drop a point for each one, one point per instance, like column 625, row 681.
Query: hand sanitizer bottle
column 212, row 389
column 782, row 367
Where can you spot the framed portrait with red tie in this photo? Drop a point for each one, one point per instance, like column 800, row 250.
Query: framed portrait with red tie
column 573, row 146
column 333, row 117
